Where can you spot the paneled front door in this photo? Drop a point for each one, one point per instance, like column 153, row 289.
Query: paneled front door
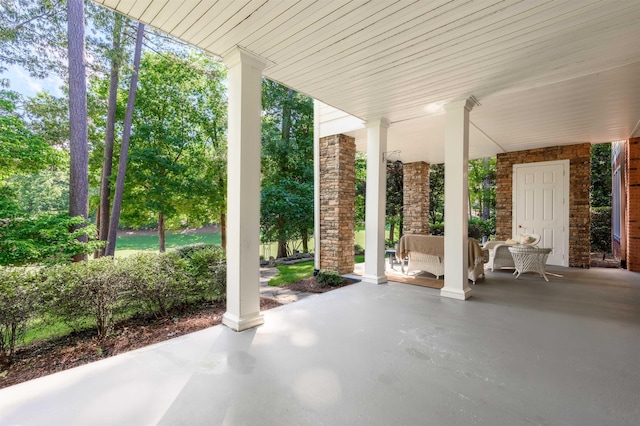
column 541, row 205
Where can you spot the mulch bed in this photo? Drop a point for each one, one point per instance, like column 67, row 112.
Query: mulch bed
column 310, row 285
column 44, row 358
column 596, row 261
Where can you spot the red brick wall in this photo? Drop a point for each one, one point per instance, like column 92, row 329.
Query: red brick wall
column 337, row 202
column 633, row 204
column 579, row 157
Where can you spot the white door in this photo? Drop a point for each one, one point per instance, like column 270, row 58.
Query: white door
column 541, row 205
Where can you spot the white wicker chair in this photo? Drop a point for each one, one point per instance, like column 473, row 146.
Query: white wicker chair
column 499, row 255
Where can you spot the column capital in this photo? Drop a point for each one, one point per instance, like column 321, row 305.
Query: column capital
column 380, row 122
column 238, row 55
column 467, row 104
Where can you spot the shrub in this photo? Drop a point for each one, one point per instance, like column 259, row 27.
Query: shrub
column 19, row 297
column 186, row 251
column 86, row 289
column 436, row 228
column 207, row 268
column 329, row 278
column 601, row 229
column 156, row 282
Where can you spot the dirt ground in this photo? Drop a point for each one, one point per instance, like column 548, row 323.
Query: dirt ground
column 44, row 358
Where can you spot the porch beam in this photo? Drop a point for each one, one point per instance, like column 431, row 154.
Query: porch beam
column 456, row 201
column 243, row 190
column 375, row 201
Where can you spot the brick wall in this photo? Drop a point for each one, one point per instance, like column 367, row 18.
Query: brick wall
column 337, row 202
column 579, row 157
column 415, row 202
column 633, row 204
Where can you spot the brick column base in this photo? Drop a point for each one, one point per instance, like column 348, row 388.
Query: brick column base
column 337, row 202
column 415, row 202
column 633, row 204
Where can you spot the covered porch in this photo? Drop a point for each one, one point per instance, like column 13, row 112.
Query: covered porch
column 436, row 81
column 519, row 352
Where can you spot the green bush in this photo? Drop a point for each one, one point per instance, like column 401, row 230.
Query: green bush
column 601, row 229
column 207, row 268
column 156, row 282
column 85, row 289
column 477, row 228
column 329, row 278
column 188, row 250
column 436, row 228
column 19, row 297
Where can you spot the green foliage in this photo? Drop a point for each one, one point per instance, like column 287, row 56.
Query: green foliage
column 86, row 289
column 43, row 238
column 477, row 228
column 207, row 266
column 601, row 229
column 361, row 188
column 156, row 282
column 436, row 194
column 177, row 157
column 436, row 228
column 21, row 150
column 329, row 278
column 187, row 251
column 482, row 187
column 287, row 164
column 19, row 298
column 43, row 192
column 292, row 273
column 601, row 186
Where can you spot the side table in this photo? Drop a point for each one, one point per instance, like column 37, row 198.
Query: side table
column 530, row 259
column 392, row 255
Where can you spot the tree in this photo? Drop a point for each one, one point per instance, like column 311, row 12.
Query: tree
column 31, row 35
column 21, row 150
column 287, row 166
column 436, row 193
column 177, row 156
column 124, row 148
column 601, row 186
column 394, row 198
column 103, row 218
column 482, row 187
column 78, row 134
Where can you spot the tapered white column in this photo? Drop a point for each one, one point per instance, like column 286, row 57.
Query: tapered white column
column 375, row 201
column 456, row 188
column 244, row 77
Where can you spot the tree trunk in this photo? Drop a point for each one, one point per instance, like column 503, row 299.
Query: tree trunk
column 78, row 144
column 223, row 230
column 305, row 241
column 124, row 149
column 392, row 231
column 162, row 237
column 107, row 159
column 282, row 248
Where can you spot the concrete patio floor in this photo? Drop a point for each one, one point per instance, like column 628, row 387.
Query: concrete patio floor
column 520, row 352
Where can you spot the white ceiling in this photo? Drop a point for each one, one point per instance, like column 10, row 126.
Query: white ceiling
column 545, row 72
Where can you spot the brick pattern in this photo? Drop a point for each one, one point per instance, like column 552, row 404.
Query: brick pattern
column 415, row 201
column 579, row 157
column 337, row 202
column 632, row 170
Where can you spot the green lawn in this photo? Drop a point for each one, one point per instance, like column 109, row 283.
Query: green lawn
column 150, row 242
column 292, row 273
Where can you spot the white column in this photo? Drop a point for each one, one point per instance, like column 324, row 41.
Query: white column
column 375, row 202
column 456, row 158
column 244, row 77
column 316, row 184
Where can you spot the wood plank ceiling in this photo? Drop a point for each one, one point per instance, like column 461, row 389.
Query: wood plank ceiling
column 546, row 72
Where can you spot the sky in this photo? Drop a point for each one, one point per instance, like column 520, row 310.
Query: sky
column 23, row 83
